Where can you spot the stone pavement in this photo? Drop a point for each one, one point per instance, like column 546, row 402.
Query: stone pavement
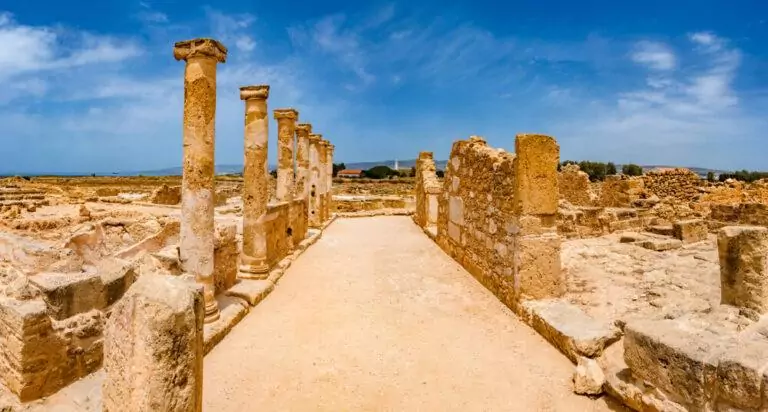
column 376, row 317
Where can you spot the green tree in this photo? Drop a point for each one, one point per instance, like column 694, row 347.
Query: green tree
column 632, row 169
column 710, row 176
column 610, row 168
column 380, row 172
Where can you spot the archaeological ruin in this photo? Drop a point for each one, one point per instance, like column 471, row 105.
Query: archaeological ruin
column 653, row 289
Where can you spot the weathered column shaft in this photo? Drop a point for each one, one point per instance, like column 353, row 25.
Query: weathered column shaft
column 197, row 188
column 314, row 185
column 322, row 179
column 329, row 185
column 255, row 182
column 743, row 252
column 302, row 160
column 286, row 130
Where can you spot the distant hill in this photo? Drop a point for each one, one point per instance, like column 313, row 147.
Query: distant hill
column 238, row 168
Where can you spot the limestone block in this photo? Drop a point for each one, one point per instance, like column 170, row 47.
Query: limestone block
column 225, row 257
column 741, row 374
column 743, row 252
column 166, row 195
column 456, row 210
column 690, row 231
column 536, row 174
column 537, row 271
column 68, row 294
column 153, row 354
column 677, row 358
column 569, row 329
column 660, row 244
column 588, row 379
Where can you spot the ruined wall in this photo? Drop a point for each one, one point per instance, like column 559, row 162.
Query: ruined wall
column 427, row 190
column 743, row 213
column 299, row 220
column 573, row 185
column 679, row 183
column 51, row 341
column 497, row 216
column 621, row 191
column 349, row 203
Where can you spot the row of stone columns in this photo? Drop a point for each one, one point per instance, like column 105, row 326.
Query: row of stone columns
column 311, row 179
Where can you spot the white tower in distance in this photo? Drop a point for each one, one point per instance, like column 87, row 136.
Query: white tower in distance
column 397, row 165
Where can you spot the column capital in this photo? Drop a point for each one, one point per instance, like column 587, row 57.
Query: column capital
column 202, row 47
column 259, row 92
column 287, row 113
column 324, row 142
column 315, row 138
column 304, row 128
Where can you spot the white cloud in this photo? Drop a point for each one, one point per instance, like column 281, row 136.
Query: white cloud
column 232, row 29
column 679, row 116
column 655, row 55
column 35, row 48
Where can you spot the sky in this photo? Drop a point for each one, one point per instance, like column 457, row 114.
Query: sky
column 90, row 86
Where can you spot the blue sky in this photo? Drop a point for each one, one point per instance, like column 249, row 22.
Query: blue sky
column 93, row 87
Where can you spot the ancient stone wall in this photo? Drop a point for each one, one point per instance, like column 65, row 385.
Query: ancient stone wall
column 743, row 213
column 621, row 191
column 428, row 189
column 679, row 183
column 574, row 186
column 497, row 216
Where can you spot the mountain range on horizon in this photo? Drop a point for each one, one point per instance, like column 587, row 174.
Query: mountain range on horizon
column 223, row 169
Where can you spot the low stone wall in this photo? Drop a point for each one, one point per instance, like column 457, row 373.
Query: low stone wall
column 573, row 186
column 742, row 213
column 679, row 183
column 621, row 191
column 497, row 216
column 348, row 203
column 592, row 221
column 428, row 190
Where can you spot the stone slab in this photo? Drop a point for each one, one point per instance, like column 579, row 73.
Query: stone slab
column 675, row 357
column 251, row 291
column 664, row 230
column 569, row 329
column 660, row 245
column 232, row 310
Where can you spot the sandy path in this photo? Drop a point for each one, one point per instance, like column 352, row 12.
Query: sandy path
column 376, row 317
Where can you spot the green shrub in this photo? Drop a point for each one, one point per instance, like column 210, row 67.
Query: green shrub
column 632, row 170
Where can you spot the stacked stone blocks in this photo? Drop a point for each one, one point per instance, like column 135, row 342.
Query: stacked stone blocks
column 497, row 216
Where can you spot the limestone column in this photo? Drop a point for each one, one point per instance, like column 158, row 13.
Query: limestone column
column 255, row 183
column 303, row 131
column 329, row 185
column 197, row 188
column 286, row 130
column 322, row 181
column 314, row 188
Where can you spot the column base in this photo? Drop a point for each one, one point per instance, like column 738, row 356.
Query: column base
column 212, row 312
column 252, row 268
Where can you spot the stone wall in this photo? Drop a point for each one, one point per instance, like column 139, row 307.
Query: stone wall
column 621, row 191
column 497, row 216
column 574, row 186
column 357, row 203
column 428, row 189
column 50, row 342
column 743, row 213
column 679, row 183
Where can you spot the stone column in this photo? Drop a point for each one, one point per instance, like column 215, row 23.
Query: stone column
column 322, row 180
column 302, row 160
column 197, row 188
column 286, row 130
column 314, row 185
column 255, row 183
column 329, row 185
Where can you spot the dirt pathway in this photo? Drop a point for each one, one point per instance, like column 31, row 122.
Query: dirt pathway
column 375, row 317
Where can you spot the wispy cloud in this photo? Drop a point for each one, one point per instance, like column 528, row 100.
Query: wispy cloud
column 654, row 55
